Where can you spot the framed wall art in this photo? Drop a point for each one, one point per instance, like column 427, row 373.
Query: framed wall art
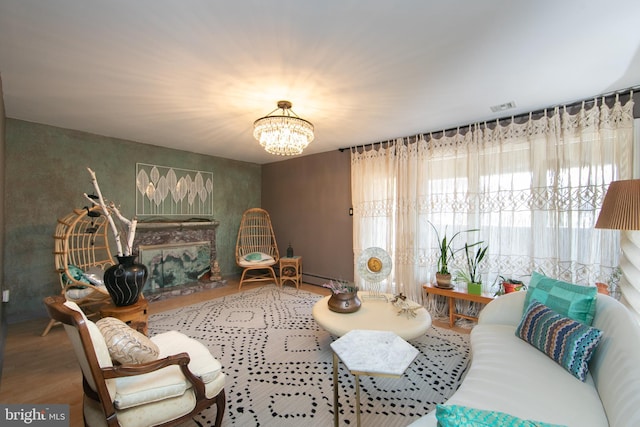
column 169, row 191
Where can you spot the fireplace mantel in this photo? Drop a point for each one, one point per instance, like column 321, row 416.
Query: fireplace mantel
column 162, row 225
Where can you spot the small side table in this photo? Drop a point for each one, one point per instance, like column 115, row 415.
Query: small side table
column 135, row 315
column 291, row 270
column 375, row 353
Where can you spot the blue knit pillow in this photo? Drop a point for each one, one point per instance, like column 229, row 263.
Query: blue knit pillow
column 575, row 301
column 77, row 274
column 462, row 416
column 568, row 342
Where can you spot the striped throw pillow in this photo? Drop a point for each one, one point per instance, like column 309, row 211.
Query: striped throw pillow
column 566, row 341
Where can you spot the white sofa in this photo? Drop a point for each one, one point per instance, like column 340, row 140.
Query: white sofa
column 509, row 375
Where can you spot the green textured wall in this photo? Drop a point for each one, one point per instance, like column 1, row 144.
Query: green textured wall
column 46, row 176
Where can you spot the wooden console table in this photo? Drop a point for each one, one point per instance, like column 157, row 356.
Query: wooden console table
column 454, row 294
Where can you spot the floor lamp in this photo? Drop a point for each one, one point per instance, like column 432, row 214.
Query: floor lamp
column 621, row 211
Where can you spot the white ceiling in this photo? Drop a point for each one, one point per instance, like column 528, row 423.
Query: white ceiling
column 194, row 75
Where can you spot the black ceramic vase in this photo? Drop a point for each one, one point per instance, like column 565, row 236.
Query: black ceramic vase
column 125, row 280
column 346, row 302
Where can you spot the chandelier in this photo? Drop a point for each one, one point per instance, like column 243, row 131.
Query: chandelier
column 284, row 134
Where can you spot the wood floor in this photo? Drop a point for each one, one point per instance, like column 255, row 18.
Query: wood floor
column 44, row 370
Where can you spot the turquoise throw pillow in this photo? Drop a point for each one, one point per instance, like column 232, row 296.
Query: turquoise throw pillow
column 574, row 301
column 463, row 416
column 76, row 273
column 253, row 256
column 568, row 342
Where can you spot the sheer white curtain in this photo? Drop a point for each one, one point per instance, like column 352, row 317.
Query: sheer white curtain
column 533, row 190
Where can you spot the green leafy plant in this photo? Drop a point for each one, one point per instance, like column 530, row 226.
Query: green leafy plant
column 446, row 249
column 504, row 282
column 615, row 276
column 472, row 273
column 511, row 281
column 340, row 287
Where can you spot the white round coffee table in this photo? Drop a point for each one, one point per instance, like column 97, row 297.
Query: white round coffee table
column 375, row 314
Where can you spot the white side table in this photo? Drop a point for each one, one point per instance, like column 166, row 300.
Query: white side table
column 375, row 353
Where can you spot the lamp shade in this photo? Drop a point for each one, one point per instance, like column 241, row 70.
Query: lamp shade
column 621, row 206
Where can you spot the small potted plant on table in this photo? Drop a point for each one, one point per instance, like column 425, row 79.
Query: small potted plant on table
column 344, row 296
column 508, row 285
column 471, row 276
column 446, row 253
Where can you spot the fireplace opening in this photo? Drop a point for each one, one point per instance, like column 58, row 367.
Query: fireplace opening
column 168, row 235
column 175, row 266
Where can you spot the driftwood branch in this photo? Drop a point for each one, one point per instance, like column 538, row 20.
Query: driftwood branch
column 131, row 226
column 107, row 210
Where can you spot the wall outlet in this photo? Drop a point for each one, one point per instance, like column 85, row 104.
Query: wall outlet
column 5, row 295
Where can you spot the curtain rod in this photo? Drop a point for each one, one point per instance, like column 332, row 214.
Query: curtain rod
column 594, row 99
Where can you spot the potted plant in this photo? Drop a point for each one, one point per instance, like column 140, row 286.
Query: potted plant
column 344, row 296
column 446, row 253
column 508, row 285
column 472, row 275
column 611, row 288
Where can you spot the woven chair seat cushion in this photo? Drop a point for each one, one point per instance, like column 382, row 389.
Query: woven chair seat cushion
column 256, row 259
column 76, row 294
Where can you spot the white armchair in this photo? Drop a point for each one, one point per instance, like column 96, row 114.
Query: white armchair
column 177, row 379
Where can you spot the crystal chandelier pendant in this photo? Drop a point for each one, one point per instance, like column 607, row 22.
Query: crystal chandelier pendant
column 283, row 134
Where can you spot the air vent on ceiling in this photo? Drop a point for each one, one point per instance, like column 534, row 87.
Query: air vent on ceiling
column 503, row 107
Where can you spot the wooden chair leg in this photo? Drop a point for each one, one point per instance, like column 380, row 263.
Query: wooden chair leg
column 51, row 324
column 275, row 279
column 220, row 405
column 242, row 278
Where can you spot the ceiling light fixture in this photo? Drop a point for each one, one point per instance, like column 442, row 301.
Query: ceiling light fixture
column 284, row 134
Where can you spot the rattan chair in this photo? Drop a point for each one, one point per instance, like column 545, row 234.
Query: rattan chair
column 81, row 243
column 256, row 248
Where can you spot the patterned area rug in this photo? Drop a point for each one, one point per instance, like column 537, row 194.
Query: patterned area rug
column 279, row 364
